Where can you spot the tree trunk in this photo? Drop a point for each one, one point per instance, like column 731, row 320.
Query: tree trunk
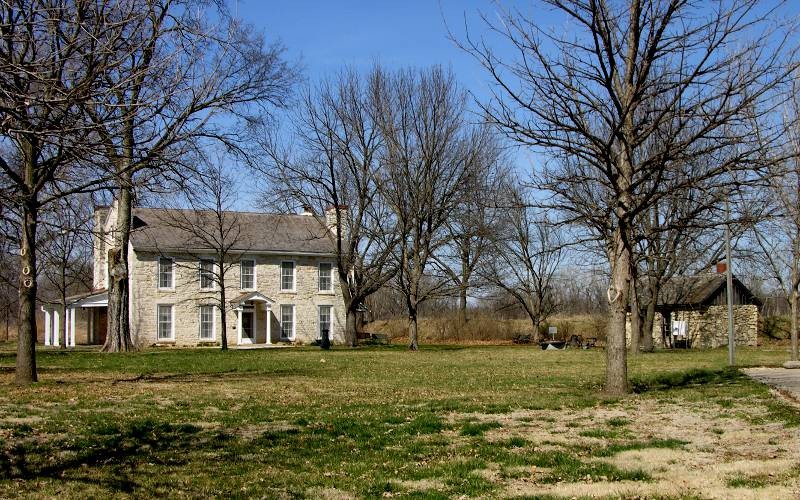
column 794, row 298
column 118, row 338
column 223, row 320
column 413, row 343
column 616, row 352
column 647, row 327
column 636, row 320
column 26, row 324
column 462, row 302
column 350, row 328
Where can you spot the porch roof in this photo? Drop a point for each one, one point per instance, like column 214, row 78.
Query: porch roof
column 251, row 297
column 94, row 298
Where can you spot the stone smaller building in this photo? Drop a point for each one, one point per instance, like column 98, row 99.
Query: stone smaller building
column 692, row 312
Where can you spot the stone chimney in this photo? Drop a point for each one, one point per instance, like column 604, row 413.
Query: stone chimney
column 99, row 248
column 308, row 210
column 330, row 217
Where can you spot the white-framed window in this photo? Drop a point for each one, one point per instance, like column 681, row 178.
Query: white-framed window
column 287, row 321
column 166, row 323
column 325, row 277
column 287, row 276
column 325, row 320
column 206, row 274
column 166, row 273
column 208, row 322
column 248, row 274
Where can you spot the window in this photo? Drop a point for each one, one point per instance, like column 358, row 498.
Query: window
column 207, row 323
column 325, row 320
column 166, row 270
column 287, row 321
column 325, row 277
column 165, row 331
column 287, row 276
column 248, row 271
column 206, row 274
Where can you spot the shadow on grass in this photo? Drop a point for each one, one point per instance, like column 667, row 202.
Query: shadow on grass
column 687, row 378
column 122, row 449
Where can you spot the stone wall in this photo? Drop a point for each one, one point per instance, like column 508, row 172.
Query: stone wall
column 187, row 297
column 709, row 328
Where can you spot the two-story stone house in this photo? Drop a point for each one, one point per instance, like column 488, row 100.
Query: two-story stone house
column 281, row 282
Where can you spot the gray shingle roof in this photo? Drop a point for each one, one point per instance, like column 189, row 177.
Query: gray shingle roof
column 697, row 290
column 163, row 230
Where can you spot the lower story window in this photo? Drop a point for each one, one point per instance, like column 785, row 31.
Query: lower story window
column 207, row 322
column 325, row 320
column 287, row 321
column 165, row 331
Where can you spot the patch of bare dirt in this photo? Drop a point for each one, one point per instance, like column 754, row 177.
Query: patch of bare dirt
column 722, row 444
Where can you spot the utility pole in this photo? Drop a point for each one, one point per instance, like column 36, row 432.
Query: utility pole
column 729, row 290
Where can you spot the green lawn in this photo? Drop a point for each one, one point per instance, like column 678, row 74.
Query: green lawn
column 300, row 422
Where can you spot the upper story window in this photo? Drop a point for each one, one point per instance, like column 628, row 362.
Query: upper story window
column 325, row 277
column 206, row 274
column 248, row 274
column 166, row 273
column 287, row 276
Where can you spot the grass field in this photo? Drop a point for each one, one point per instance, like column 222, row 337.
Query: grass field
column 442, row 422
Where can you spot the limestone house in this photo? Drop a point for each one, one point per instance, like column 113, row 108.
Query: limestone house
column 282, row 285
column 692, row 311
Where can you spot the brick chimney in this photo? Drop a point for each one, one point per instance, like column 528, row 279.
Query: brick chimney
column 722, row 267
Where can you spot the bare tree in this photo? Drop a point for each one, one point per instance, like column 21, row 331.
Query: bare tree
column 186, row 64
column 526, row 256
column 431, row 157
column 214, row 230
column 778, row 237
column 52, row 55
column 626, row 100
column 66, row 249
column 334, row 168
column 472, row 226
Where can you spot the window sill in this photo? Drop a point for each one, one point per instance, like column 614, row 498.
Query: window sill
column 330, row 293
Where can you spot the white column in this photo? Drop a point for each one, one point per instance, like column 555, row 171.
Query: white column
column 72, row 327
column 56, row 327
column 269, row 323
column 255, row 321
column 239, row 311
column 46, row 326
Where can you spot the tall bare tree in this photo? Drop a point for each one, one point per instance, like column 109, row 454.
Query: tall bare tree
column 334, row 167
column 527, row 254
column 213, row 234
column 627, row 98
column 53, row 53
column 778, row 237
column 65, row 245
column 190, row 74
column 431, row 157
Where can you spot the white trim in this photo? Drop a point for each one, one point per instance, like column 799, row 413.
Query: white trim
column 158, row 273
column 294, row 322
column 239, row 325
column 331, row 291
column 72, row 328
column 294, row 277
column 47, row 325
column 255, row 275
column 268, row 308
column 171, row 338
column 56, row 327
column 213, row 323
column 214, row 273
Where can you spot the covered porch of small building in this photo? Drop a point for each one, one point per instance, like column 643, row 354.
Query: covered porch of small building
column 84, row 321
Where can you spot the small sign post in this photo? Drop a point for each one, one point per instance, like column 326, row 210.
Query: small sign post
column 552, row 330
